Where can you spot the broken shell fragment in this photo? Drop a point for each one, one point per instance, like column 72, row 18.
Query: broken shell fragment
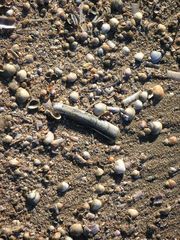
column 53, row 115
column 7, row 22
column 155, row 127
column 33, row 104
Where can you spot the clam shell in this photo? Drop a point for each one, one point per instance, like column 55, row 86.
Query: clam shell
column 33, row 104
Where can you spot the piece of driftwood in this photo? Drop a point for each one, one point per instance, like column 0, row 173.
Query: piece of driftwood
column 173, row 75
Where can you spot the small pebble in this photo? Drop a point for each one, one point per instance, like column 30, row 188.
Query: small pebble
column 95, row 205
column 49, row 138
column 158, row 92
column 99, row 188
column 91, row 230
column 71, row 77
column 29, row 58
column 155, row 57
column 155, row 127
column 9, row 70
column 34, row 197
column 22, row 95
column 138, row 105
column 129, row 114
column 76, row 230
column 143, row 96
column 90, row 57
column 21, row 75
column 113, row 22
column 138, row 16
column 170, row 183
column 133, row 213
column 125, row 51
column 99, row 109
column 116, row 5
column 135, row 174
column 86, row 155
column 74, row 96
column 99, row 172
column 119, row 166
column 139, row 56
column 105, row 28
column 14, row 162
column 161, row 27
column 127, row 72
column 63, row 187
column 171, row 141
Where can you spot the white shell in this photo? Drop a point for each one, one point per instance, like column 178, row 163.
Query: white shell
column 130, row 113
column 63, row 187
column 127, row 72
column 105, row 28
column 138, row 16
column 119, row 167
column 96, row 204
column 138, row 105
column 99, row 109
column 125, row 50
column 34, row 196
column 49, row 138
column 156, row 127
column 139, row 56
column 143, row 96
column 74, row 96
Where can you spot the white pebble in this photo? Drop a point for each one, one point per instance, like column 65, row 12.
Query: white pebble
column 90, row 57
column 49, row 138
column 143, row 96
column 96, row 204
column 139, row 56
column 74, row 96
column 138, row 16
column 138, row 105
column 133, row 212
column 63, row 187
column 156, row 127
column 99, row 109
column 119, row 167
column 105, row 28
column 125, row 50
column 127, row 72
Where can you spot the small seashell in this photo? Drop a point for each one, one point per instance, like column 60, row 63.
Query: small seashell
column 9, row 70
column 91, row 230
column 125, row 51
column 14, row 162
column 86, row 155
column 113, row 22
column 133, row 213
column 170, row 184
column 129, row 114
column 63, row 187
column 95, row 205
column 156, row 57
column 139, row 56
column 71, row 77
column 135, row 174
column 99, row 109
column 158, row 92
column 161, row 27
column 76, row 230
column 105, row 28
column 127, row 72
column 74, row 96
column 53, row 115
column 119, row 166
column 138, row 105
column 33, row 197
column 99, row 172
column 21, row 75
column 138, row 16
column 155, row 127
column 171, row 141
column 33, row 104
column 143, row 96
column 49, row 138
column 90, row 57
column 99, row 188
column 22, row 95
column 116, row 5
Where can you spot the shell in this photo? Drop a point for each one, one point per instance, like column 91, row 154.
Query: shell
column 22, row 95
column 63, row 187
column 49, row 138
column 76, row 230
column 156, row 57
column 156, row 127
column 119, row 166
column 33, row 104
column 158, row 92
column 143, row 96
column 129, row 114
column 9, row 70
column 105, row 28
column 138, row 105
column 33, row 197
column 139, row 56
column 99, row 109
column 96, row 204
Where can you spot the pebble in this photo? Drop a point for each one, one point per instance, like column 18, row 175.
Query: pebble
column 161, row 27
column 7, row 139
column 116, row 5
column 170, row 183
column 127, row 72
column 171, row 141
column 76, row 230
column 29, row 58
column 113, row 22
column 138, row 105
column 99, row 188
column 22, row 95
column 90, row 57
column 63, row 187
column 74, row 96
column 99, row 109
column 71, row 77
column 155, row 57
column 21, row 75
column 138, row 16
column 99, row 172
column 86, row 155
column 91, row 230
column 95, row 205
column 139, row 56
column 9, row 70
column 155, row 127
column 125, row 51
column 135, row 174
column 105, row 28
column 33, row 197
column 49, row 138
column 129, row 113
column 143, row 96
column 14, row 162
column 158, row 92
column 119, row 166
column 133, row 213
